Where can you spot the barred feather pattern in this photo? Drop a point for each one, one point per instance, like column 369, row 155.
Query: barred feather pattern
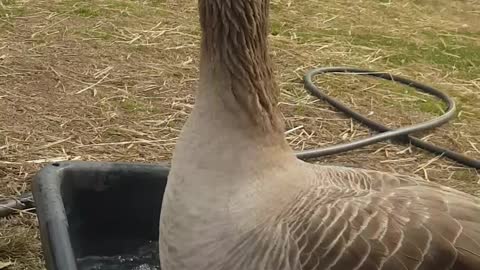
column 353, row 219
column 366, row 220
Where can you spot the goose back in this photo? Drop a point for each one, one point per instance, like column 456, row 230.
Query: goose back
column 365, row 220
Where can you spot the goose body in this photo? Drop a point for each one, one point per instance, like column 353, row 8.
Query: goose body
column 237, row 198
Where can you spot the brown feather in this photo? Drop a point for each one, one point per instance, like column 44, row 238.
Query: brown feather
column 238, row 199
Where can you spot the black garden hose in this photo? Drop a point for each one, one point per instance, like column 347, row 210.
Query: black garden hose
column 11, row 205
column 402, row 134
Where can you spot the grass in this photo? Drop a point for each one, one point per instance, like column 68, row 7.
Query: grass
column 113, row 81
column 10, row 9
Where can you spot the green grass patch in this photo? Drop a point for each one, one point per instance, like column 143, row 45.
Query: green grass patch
column 303, row 36
column 111, row 8
column 86, row 11
column 432, row 107
column 132, row 106
column 276, row 28
column 450, row 53
column 7, row 2
column 136, row 106
column 10, row 9
column 393, row 96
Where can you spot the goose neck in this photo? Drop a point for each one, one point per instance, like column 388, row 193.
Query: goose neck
column 235, row 69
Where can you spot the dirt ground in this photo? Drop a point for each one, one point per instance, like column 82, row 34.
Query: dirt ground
column 113, row 80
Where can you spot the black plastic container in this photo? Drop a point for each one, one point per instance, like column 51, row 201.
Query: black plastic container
column 96, row 215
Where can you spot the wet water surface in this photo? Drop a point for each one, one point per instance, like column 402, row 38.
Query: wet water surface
column 146, row 258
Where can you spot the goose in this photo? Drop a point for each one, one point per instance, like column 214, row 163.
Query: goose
column 237, row 198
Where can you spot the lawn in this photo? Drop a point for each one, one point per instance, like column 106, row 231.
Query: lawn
column 114, row 80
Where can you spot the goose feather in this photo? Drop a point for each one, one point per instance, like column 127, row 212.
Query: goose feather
column 238, row 199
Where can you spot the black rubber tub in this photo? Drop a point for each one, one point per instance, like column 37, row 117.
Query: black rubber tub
column 100, row 215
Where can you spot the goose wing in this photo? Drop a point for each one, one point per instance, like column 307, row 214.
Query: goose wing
column 371, row 220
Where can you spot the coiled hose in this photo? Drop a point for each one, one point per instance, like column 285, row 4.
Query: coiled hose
column 402, row 135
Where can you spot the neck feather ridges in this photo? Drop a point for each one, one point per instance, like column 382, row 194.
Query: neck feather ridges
column 235, row 49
